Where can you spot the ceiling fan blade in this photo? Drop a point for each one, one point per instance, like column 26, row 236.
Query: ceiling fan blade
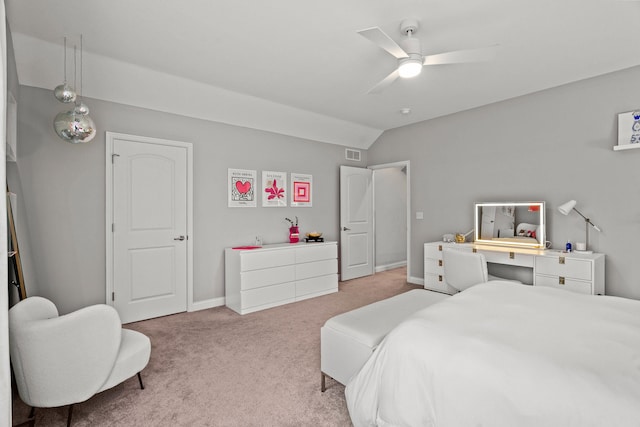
column 385, row 82
column 460, row 56
column 385, row 42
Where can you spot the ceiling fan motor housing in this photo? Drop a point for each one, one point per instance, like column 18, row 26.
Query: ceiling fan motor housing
column 411, row 45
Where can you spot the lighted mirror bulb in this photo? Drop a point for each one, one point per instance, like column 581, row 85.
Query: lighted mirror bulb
column 410, row 68
column 73, row 127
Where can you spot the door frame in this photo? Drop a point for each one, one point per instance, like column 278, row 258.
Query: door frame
column 407, row 164
column 109, row 140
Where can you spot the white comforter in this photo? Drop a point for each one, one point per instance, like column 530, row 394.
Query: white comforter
column 501, row 354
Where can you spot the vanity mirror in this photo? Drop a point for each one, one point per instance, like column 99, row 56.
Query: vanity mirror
column 510, row 224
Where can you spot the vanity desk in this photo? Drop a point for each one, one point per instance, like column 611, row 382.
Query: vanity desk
column 577, row 272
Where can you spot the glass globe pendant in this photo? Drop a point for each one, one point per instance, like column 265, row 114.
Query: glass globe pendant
column 73, row 127
column 64, row 92
column 81, row 108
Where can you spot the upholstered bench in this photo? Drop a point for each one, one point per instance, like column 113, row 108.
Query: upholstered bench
column 347, row 340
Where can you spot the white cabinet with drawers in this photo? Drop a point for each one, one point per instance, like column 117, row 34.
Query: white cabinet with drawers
column 273, row 275
column 583, row 273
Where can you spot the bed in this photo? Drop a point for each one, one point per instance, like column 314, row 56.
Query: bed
column 500, row 354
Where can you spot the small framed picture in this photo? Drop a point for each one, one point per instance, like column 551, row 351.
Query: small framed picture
column 274, row 189
column 301, row 190
column 242, row 188
column 629, row 128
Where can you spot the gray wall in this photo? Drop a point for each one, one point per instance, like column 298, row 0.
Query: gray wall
column 63, row 188
column 390, row 197
column 553, row 145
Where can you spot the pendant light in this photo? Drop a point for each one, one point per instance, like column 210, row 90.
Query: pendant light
column 75, row 126
column 64, row 92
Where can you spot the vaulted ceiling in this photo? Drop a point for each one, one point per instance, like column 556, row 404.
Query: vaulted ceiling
column 300, row 68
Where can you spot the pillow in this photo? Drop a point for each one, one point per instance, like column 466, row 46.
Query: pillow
column 527, row 230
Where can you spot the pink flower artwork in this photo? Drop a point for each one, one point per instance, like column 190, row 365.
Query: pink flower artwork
column 274, row 191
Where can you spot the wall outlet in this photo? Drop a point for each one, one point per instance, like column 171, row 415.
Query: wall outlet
column 419, row 215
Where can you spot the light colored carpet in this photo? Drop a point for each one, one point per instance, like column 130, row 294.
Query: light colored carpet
column 217, row 368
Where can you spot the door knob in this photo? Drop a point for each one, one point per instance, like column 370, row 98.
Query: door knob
column 179, row 238
column 345, row 229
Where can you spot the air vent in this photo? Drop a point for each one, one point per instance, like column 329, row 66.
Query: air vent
column 352, row 154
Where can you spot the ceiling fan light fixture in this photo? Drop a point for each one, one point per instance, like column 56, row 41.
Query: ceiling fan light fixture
column 410, row 67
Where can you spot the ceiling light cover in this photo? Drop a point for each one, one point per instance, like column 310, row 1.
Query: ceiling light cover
column 410, row 67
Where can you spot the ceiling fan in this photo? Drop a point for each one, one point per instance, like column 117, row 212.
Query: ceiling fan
column 409, row 53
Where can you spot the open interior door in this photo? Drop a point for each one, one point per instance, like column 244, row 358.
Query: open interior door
column 356, row 222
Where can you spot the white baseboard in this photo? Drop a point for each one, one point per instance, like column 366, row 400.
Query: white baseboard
column 416, row 280
column 399, row 264
column 208, row 303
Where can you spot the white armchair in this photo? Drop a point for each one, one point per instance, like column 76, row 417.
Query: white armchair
column 62, row 360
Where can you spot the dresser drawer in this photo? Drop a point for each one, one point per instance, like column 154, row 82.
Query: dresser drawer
column 269, row 276
column 433, row 266
column 433, row 251
column 574, row 268
column 316, row 285
column 569, row 284
column 509, row 258
column 282, row 293
column 318, row 268
column 316, row 253
column 258, row 259
column 434, row 281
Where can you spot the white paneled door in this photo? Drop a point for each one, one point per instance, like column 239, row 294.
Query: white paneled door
column 150, row 228
column 356, row 222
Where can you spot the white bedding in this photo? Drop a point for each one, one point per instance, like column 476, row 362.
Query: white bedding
column 500, row 354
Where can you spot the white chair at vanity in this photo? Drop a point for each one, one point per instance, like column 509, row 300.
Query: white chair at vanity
column 464, row 269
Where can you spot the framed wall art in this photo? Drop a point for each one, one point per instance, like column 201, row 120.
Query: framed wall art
column 242, row 188
column 274, row 189
column 628, row 130
column 301, row 190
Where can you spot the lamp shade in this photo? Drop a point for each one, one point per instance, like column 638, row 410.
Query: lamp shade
column 567, row 207
column 410, row 67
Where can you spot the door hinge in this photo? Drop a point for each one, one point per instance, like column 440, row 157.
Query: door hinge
column 113, row 296
column 113, row 156
column 113, row 227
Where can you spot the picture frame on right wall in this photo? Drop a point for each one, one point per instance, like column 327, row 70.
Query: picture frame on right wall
column 301, row 190
column 628, row 130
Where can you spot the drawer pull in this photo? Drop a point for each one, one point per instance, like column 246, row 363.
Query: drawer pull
column 439, row 263
column 440, row 278
column 561, row 280
column 474, row 250
column 440, row 248
column 561, row 260
column 512, row 255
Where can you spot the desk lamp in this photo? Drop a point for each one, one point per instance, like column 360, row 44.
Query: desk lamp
column 568, row 207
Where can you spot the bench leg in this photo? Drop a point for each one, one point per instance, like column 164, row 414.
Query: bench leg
column 322, row 382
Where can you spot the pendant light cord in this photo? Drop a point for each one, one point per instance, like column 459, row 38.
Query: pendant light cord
column 65, row 60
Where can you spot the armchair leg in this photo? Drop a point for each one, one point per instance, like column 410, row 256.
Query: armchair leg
column 69, row 416
column 32, row 412
column 140, row 379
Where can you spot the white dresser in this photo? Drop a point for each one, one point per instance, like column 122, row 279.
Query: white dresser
column 273, row 275
column 583, row 273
